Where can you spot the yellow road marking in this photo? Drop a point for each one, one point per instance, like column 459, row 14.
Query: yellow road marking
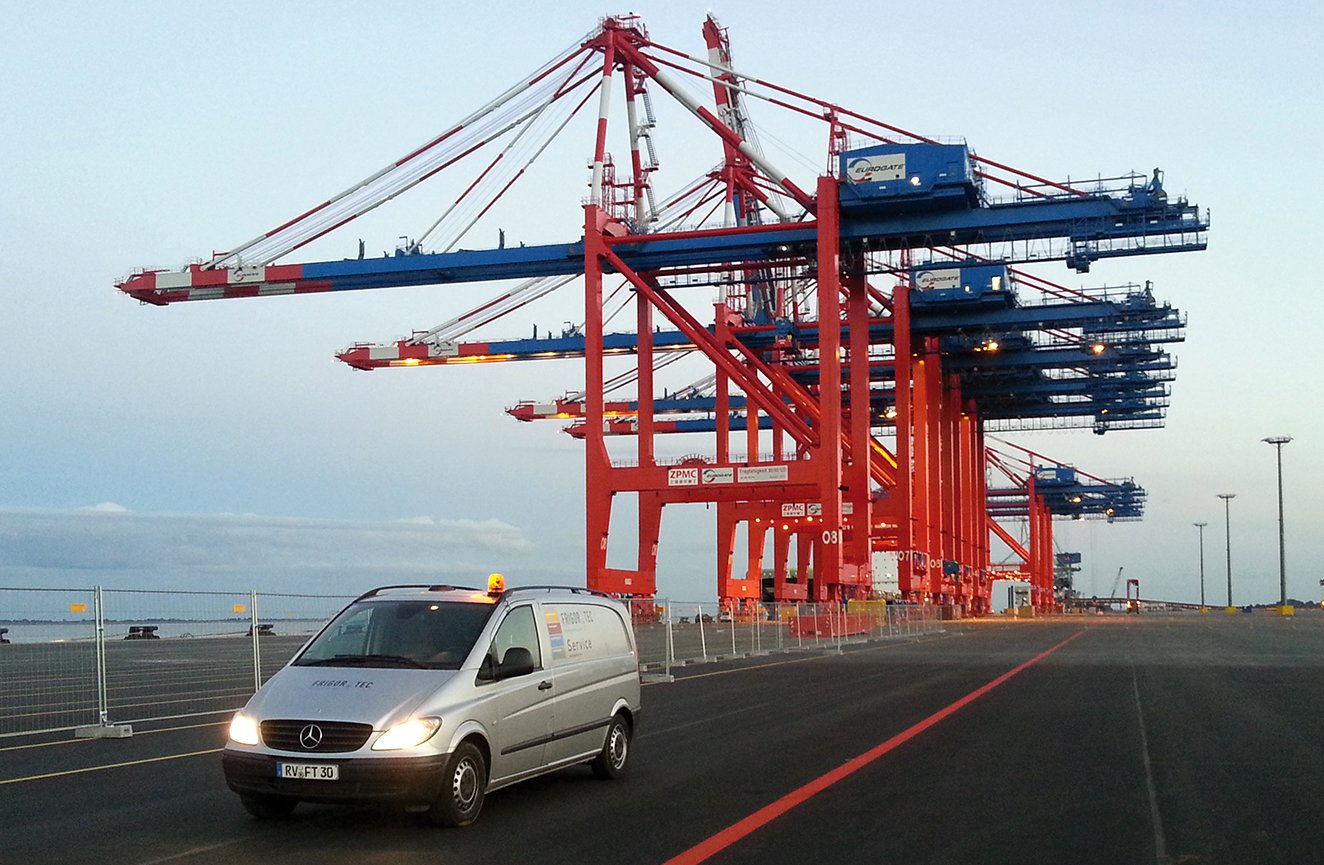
column 108, row 766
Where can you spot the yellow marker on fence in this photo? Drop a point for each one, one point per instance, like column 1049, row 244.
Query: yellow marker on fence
column 78, row 608
column 239, row 608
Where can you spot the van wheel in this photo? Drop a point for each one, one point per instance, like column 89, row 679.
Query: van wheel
column 268, row 807
column 615, row 751
column 462, row 788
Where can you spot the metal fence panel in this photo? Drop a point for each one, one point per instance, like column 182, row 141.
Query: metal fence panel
column 78, row 658
column 48, row 660
column 286, row 622
column 176, row 654
column 670, row 633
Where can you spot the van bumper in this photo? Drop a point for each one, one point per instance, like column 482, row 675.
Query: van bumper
column 405, row 780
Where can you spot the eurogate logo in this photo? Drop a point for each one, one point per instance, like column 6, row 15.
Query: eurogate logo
column 874, row 169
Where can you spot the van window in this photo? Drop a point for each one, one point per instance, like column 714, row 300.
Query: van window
column 424, row 634
column 518, row 630
column 585, row 631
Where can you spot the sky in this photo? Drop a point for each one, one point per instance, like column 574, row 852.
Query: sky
column 219, row 444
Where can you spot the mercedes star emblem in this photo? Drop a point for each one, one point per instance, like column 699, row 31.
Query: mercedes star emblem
column 310, row 737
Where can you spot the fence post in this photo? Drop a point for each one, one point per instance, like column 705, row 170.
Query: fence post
column 703, row 641
column 103, row 729
column 671, row 645
column 257, row 651
column 99, row 614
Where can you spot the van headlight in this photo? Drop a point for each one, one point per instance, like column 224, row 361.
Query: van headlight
column 243, row 730
column 413, row 732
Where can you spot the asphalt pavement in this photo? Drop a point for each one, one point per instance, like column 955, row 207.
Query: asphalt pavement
column 1191, row 739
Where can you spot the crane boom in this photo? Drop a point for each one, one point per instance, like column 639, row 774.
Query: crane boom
column 1096, row 221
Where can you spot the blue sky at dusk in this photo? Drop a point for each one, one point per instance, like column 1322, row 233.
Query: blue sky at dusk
column 220, row 444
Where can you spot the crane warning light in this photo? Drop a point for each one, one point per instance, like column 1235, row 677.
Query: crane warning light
column 496, row 584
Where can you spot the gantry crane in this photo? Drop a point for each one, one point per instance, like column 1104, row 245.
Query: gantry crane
column 874, row 397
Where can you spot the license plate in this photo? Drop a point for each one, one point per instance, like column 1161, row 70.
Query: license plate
column 308, row 771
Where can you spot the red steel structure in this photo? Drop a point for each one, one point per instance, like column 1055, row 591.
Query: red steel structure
column 843, row 481
column 824, row 456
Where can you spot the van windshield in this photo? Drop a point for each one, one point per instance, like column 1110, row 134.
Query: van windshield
column 420, row 634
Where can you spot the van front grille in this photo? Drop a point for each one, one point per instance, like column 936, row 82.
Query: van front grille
column 315, row 737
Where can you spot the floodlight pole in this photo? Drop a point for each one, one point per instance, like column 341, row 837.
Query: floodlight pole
column 1201, row 526
column 1278, row 442
column 1227, row 533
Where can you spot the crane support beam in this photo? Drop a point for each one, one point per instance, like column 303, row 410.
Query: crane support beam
column 1082, row 219
column 925, row 321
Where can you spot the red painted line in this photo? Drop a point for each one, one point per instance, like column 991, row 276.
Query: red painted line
column 704, row 850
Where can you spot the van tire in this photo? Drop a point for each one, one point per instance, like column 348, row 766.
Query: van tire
column 268, row 807
column 615, row 756
column 462, row 787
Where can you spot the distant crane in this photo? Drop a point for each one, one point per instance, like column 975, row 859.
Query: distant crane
column 1116, row 582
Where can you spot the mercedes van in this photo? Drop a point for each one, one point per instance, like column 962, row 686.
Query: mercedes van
column 431, row 697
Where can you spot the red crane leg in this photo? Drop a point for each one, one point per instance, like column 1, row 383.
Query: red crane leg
column 985, row 555
column 650, row 528
column 644, row 329
column 951, row 453
column 827, row 460
column 726, row 549
column 722, row 329
column 781, row 548
column 758, row 540
column 941, row 503
column 927, row 460
column 804, row 561
column 597, row 464
column 932, row 375
column 858, row 551
column 904, row 492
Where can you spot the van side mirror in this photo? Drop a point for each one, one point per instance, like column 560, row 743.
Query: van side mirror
column 517, row 662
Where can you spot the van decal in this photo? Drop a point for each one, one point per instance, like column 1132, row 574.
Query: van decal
column 555, row 633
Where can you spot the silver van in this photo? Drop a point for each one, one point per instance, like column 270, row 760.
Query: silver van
column 432, row 696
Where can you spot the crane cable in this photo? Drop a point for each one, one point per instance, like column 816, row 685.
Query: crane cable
column 497, row 116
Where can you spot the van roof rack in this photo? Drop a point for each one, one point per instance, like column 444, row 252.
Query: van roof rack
column 578, row 590
column 424, row 586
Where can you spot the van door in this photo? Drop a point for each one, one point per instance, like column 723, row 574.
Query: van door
column 590, row 653
column 522, row 722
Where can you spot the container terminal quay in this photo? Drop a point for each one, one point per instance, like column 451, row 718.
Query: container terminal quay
column 1180, row 737
column 861, row 344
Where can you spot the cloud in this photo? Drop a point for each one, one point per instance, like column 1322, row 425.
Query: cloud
column 45, row 548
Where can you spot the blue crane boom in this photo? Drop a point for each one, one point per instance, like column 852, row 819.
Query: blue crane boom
column 1094, row 225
